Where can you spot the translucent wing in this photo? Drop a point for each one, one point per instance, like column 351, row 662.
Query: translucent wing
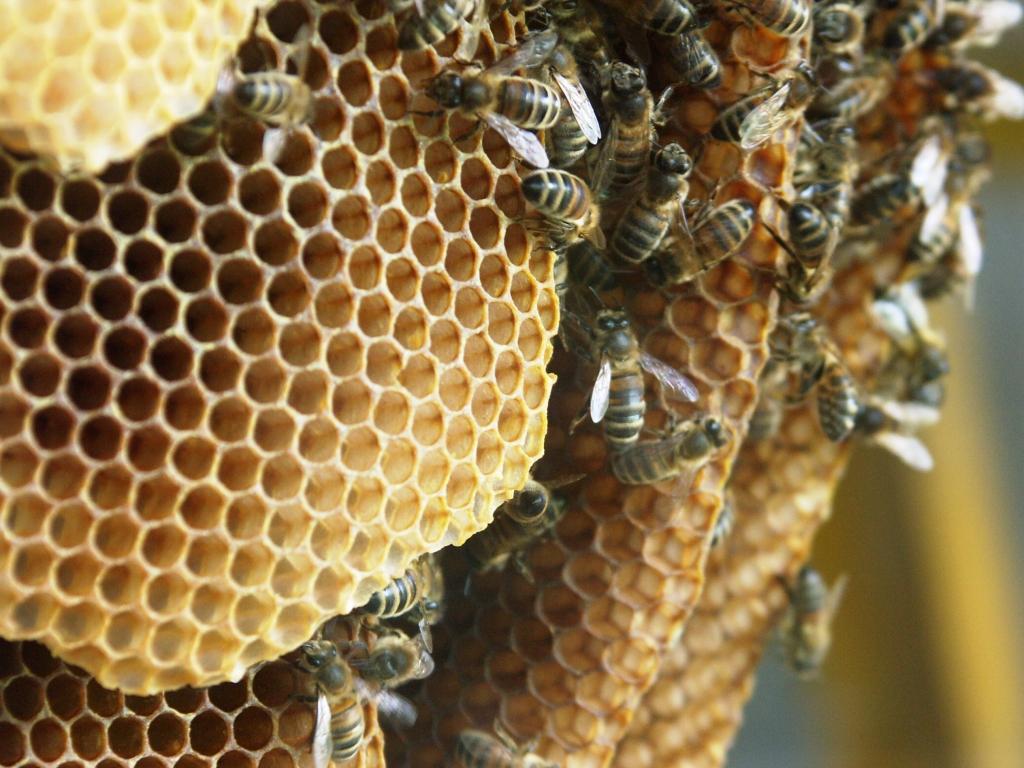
column 1007, row 100
column 532, row 53
column 925, row 161
column 396, row 708
column 522, row 142
column 581, row 107
column 322, row 744
column 599, row 177
column 426, row 636
column 933, row 219
column 470, row 30
column 971, row 251
column 764, row 119
column 835, row 595
column 671, row 378
column 994, row 17
column 909, row 449
column 602, row 388
column 911, row 415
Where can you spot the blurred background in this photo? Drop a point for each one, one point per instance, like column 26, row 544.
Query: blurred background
column 927, row 663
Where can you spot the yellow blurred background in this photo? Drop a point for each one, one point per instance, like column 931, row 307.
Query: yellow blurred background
column 927, row 665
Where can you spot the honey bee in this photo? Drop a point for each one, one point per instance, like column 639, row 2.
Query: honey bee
column 716, row 236
column 339, row 726
column 512, row 106
column 627, row 148
column 476, row 749
column 754, row 119
column 960, row 266
column 566, row 143
column 979, row 23
column 978, row 90
column 812, row 241
column 677, row 456
column 617, row 398
column 838, row 27
column 767, row 417
column 695, row 60
column 646, row 220
column 566, row 74
column 890, row 424
column 565, row 201
column 394, row 660
column 528, row 515
column 589, row 267
column 666, row 17
column 838, row 401
column 806, row 627
column 854, row 96
column 582, row 29
column 881, row 198
column 921, row 360
column 912, row 26
column 418, row 593
column 433, row 22
column 788, row 18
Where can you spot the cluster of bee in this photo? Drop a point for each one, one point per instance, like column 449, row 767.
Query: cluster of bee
column 573, row 101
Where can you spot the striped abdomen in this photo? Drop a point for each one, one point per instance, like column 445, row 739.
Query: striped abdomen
column 667, row 17
column 529, row 103
column 396, row 598
column 631, row 150
column 193, row 135
column 837, row 402
column 695, row 59
column 880, row 198
column 588, row 266
column 783, row 17
column 557, row 194
column 727, row 126
column 476, row 749
column 347, row 728
column 267, row 95
column 646, row 462
column 566, row 142
column 441, row 19
column 641, row 229
column 502, row 536
column 908, row 30
column 850, row 98
column 810, row 232
column 625, row 416
column 724, row 230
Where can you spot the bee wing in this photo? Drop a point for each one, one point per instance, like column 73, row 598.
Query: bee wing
column 994, row 17
column 470, row 29
column 426, row 636
column 602, row 389
column 396, row 708
column 764, row 119
column 1007, row 99
column 522, row 142
column 581, row 107
column 322, row 744
column 909, row 449
column 532, row 53
column 835, row 595
column 971, row 250
column 670, row 377
column 933, row 219
column 599, row 172
column 421, row 7
column 910, row 415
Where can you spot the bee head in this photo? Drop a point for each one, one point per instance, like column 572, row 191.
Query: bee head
column 673, row 159
column 869, row 419
column 627, row 80
column 715, row 432
column 317, row 653
column 446, row 89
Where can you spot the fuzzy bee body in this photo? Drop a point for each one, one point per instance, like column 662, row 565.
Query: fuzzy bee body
column 273, row 97
column 514, row 525
column 806, row 629
column 851, row 97
column 838, row 402
column 694, row 58
column 838, row 27
column 557, row 194
column 646, row 221
column 881, row 197
column 567, row 144
column 589, row 267
column 528, row 103
column 717, row 236
column 657, row 460
column 628, row 146
column 783, row 17
column 442, row 17
column 908, row 30
column 811, row 234
column 476, row 749
column 340, row 727
column 666, row 17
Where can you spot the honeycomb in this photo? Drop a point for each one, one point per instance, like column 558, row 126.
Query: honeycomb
column 240, row 390
column 53, row 713
column 87, row 86
column 385, row 382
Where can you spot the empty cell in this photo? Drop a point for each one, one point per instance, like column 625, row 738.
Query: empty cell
column 351, row 217
column 392, row 230
column 265, row 380
column 163, row 545
column 274, row 430
column 344, row 354
column 351, row 401
column 63, row 288
column 289, row 293
column 485, row 227
column 143, row 260
column 224, row 231
column 455, row 388
column 124, row 348
column 334, row 305
column 18, row 463
column 368, row 133
column 403, row 149
column 78, row 624
column 27, row 327
column 80, row 198
column 219, row 370
column 40, row 374
column 275, row 242
column 158, row 309
column 295, row 154
column 259, row 191
column 208, row 731
column 436, row 290
column 419, row 375
column 478, row 355
column 450, row 209
column 23, row 696
column 206, row 320
column 167, row 734
column 360, row 449
column 32, row 564
column 307, row 204
column 439, row 161
column 175, row 220
column 127, row 211
column 460, row 437
column 190, row 270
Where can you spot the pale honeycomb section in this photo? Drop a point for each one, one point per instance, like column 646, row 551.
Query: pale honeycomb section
column 240, row 390
column 87, row 83
column 52, row 713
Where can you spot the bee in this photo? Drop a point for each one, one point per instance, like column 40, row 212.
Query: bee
column 627, row 148
column 854, row 96
column 529, row 514
column 812, row 241
column 881, row 197
column 767, row 417
column 434, row 21
column 589, row 267
column 911, row 26
column 806, row 628
column 617, row 398
column 976, row 23
column 976, row 89
column 838, row 401
column 921, row 359
column 566, row 74
column 565, row 201
column 788, row 18
column 695, row 60
column 274, row 98
column 838, row 27
column 646, row 220
column 418, row 593
column 582, row 29
column 890, row 423
column 566, row 143
column 512, row 106
column 476, row 749
column 754, row 119
column 394, row 660
column 676, row 456
column 339, row 727
column 960, row 266
column 723, row 524
column 716, row 236
column 666, row 17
